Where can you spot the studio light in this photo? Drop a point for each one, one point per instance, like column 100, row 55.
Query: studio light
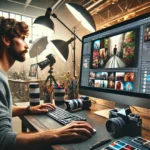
column 82, row 15
column 45, row 21
column 62, row 48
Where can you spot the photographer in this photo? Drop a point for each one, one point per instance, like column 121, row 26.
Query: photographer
column 13, row 47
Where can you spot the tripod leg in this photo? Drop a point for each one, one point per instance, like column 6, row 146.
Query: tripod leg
column 51, row 79
column 47, row 79
column 54, row 80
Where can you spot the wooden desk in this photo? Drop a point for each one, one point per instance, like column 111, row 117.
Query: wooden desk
column 43, row 122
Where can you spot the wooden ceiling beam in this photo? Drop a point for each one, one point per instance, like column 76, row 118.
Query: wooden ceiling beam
column 130, row 13
column 27, row 3
column 87, row 3
column 94, row 4
column 101, row 7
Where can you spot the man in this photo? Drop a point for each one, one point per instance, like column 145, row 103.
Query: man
column 115, row 49
column 13, row 47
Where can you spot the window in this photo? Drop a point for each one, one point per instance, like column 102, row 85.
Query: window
column 34, row 31
column 5, row 14
column 12, row 15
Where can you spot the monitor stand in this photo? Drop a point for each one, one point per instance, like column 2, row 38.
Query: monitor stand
column 105, row 112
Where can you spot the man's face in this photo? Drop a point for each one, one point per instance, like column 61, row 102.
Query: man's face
column 18, row 48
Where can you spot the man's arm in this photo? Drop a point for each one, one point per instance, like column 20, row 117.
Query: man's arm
column 37, row 141
column 21, row 111
column 78, row 130
column 7, row 137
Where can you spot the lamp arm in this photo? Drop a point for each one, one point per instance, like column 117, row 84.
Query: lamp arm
column 55, row 16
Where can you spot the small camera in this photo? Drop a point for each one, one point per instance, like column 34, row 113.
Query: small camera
column 123, row 123
column 82, row 103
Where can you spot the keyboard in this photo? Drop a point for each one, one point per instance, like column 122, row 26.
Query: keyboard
column 64, row 117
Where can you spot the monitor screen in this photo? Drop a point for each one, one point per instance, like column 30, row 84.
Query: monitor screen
column 33, row 70
column 115, row 63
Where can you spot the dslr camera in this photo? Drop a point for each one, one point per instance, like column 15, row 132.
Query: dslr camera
column 82, row 103
column 123, row 123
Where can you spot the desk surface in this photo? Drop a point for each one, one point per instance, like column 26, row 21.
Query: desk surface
column 43, row 122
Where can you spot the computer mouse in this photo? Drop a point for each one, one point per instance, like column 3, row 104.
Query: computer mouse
column 94, row 130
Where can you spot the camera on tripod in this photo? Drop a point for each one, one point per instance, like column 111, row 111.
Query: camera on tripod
column 82, row 103
column 49, row 61
column 123, row 123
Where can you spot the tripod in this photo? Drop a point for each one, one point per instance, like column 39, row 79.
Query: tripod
column 51, row 77
column 50, row 88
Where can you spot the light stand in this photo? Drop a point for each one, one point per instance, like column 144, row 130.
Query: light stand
column 55, row 16
column 74, row 52
column 75, row 36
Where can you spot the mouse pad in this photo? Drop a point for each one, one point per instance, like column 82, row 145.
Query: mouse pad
column 129, row 143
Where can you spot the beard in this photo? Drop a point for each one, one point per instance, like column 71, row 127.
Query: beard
column 19, row 56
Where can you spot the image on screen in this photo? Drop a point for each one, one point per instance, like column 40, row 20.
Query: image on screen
column 147, row 33
column 115, row 51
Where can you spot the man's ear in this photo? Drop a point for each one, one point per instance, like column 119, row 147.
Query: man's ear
column 6, row 41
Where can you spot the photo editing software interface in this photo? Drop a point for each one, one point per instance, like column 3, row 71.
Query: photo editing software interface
column 118, row 58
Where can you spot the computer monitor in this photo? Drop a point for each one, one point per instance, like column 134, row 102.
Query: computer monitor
column 33, row 70
column 115, row 63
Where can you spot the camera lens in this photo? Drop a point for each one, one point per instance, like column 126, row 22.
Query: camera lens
column 74, row 104
column 115, row 126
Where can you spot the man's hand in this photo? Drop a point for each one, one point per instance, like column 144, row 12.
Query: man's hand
column 77, row 130
column 43, row 108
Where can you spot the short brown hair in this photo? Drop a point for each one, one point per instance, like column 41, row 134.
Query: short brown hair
column 12, row 28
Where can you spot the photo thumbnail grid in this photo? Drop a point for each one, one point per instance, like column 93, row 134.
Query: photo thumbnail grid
column 112, row 80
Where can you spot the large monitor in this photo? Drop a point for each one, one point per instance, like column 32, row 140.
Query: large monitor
column 115, row 63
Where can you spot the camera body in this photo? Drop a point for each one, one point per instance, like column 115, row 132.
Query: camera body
column 49, row 61
column 82, row 103
column 123, row 123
